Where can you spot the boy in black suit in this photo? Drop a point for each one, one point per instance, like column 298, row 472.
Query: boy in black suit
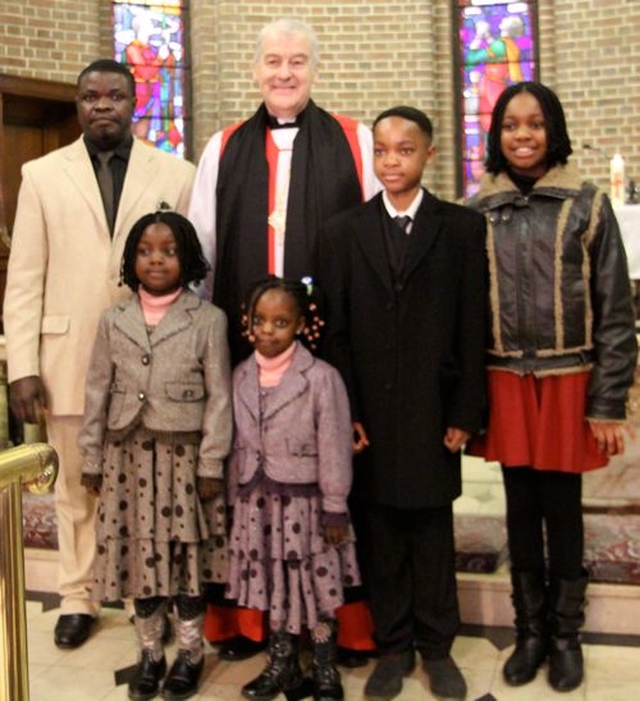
column 405, row 279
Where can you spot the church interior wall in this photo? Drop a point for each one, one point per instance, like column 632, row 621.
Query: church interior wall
column 373, row 54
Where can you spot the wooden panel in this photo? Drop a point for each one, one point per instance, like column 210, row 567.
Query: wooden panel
column 23, row 143
column 35, row 88
column 35, row 117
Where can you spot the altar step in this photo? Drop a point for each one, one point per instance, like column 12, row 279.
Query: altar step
column 484, row 598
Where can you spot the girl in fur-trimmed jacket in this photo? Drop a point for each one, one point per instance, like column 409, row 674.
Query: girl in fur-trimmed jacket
column 561, row 359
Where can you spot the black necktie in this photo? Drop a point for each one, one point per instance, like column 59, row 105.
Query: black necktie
column 402, row 223
column 105, row 180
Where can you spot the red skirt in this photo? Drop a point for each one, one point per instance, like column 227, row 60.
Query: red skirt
column 539, row 422
column 355, row 626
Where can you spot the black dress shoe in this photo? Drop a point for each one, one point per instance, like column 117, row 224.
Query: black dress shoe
column 72, row 630
column 385, row 682
column 147, row 677
column 353, row 658
column 445, row 679
column 183, row 678
column 240, row 648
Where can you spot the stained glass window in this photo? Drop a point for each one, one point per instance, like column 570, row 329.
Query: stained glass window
column 496, row 47
column 150, row 38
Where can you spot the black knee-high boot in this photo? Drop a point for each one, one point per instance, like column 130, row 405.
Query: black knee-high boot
column 532, row 639
column 567, row 601
column 327, row 685
column 282, row 673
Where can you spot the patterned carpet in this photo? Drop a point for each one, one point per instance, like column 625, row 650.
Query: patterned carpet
column 612, row 551
column 481, row 543
column 39, row 521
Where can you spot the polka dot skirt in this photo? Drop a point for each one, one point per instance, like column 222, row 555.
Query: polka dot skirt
column 279, row 560
column 154, row 536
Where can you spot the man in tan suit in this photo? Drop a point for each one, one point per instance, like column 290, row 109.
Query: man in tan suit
column 64, row 268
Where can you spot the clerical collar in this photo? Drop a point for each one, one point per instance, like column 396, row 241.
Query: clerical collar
column 285, row 122
column 411, row 209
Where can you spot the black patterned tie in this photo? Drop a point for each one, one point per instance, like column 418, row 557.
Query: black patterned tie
column 402, row 223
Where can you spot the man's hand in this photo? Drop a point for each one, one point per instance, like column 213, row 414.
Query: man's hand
column 455, row 438
column 27, row 398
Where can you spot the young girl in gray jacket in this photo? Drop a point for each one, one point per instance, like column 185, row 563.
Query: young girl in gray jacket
column 157, row 428
column 291, row 545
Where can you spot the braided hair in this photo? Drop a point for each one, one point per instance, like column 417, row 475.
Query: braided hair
column 193, row 266
column 303, row 292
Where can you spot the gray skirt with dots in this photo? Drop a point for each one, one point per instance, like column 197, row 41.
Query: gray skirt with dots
column 280, row 562
column 154, row 535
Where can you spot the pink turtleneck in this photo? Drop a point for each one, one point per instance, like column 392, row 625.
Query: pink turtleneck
column 271, row 370
column 155, row 307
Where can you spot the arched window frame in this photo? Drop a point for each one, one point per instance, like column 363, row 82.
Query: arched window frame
column 151, row 37
column 495, row 45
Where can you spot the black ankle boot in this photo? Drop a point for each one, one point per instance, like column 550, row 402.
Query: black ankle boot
column 327, row 685
column 529, row 602
column 183, row 678
column 240, row 648
column 147, row 677
column 282, row 673
column 566, row 664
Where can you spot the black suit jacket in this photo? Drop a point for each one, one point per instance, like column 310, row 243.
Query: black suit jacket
column 411, row 351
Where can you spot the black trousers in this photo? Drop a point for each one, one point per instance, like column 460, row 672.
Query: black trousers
column 409, row 568
column 544, row 503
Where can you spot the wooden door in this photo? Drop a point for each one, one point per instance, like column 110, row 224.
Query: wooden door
column 35, row 117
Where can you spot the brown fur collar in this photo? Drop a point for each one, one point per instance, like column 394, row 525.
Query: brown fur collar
column 561, row 177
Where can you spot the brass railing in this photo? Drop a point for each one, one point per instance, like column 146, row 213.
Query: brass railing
column 36, row 467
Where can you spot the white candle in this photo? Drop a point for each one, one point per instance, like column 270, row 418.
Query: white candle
column 617, row 180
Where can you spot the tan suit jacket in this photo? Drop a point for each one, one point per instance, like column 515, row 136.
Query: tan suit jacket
column 64, row 267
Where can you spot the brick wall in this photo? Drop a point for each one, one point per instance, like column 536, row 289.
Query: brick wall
column 48, row 39
column 374, row 53
column 598, row 79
